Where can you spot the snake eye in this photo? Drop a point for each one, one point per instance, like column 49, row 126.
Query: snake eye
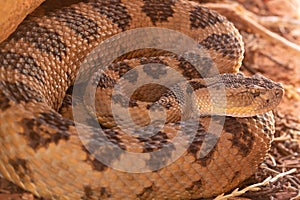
column 255, row 93
column 278, row 93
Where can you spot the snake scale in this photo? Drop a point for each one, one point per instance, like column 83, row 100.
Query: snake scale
column 41, row 150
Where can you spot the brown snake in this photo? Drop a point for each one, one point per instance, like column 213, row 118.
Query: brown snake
column 41, row 151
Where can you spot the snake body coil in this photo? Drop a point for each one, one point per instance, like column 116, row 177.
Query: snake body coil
column 41, row 151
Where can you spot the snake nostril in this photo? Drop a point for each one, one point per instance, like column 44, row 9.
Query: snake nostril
column 256, row 93
column 278, row 93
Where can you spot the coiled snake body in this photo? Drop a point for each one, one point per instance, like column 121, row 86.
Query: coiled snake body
column 41, row 151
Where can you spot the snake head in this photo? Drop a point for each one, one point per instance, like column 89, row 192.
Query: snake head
column 275, row 88
column 258, row 94
column 239, row 96
column 265, row 99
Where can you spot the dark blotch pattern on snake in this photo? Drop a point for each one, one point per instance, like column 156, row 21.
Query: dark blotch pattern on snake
column 40, row 149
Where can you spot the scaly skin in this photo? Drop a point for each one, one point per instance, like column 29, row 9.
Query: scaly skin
column 41, row 151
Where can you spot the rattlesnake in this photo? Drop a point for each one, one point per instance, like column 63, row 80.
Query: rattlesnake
column 41, row 150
